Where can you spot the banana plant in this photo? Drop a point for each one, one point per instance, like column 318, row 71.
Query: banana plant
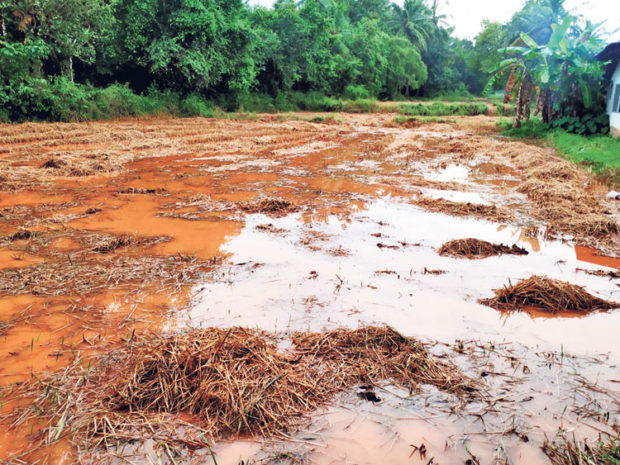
column 562, row 75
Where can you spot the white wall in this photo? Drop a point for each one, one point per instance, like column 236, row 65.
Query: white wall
column 614, row 117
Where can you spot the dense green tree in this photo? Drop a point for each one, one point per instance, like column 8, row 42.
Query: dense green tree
column 70, row 29
column 485, row 55
column 186, row 44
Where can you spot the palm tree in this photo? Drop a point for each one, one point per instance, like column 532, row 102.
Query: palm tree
column 414, row 20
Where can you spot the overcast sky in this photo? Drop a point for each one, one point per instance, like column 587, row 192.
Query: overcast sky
column 467, row 15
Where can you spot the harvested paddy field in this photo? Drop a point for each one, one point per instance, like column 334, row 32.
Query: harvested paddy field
column 277, row 290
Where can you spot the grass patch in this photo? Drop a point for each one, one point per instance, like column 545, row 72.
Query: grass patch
column 601, row 153
column 573, row 452
column 443, row 109
column 405, row 120
column 597, row 152
column 326, row 119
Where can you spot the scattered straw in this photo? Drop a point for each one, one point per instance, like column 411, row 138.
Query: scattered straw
column 110, row 244
column 475, row 248
column 91, row 275
column 603, row 273
column 547, row 294
column 489, row 212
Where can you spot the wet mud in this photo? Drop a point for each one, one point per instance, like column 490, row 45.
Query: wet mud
column 116, row 230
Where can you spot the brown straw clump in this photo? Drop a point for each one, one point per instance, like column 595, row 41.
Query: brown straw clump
column 223, row 383
column 239, row 383
column 273, row 207
column 234, row 380
column 373, row 354
column 475, row 248
column 547, row 294
column 488, row 212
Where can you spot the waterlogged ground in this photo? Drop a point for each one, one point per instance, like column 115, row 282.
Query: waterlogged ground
column 112, row 230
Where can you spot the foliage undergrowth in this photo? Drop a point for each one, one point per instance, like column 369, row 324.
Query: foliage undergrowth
column 422, row 119
column 59, row 99
column 443, row 109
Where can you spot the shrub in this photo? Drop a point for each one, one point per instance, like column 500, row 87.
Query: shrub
column 195, row 105
column 360, row 106
column 584, row 124
column 354, row 92
column 260, row 103
column 313, row 101
column 442, row 109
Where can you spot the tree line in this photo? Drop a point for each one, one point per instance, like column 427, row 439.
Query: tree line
column 73, row 59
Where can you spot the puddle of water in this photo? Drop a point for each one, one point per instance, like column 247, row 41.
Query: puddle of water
column 17, row 259
column 277, row 290
column 202, row 239
column 458, row 196
column 452, row 172
column 590, row 255
column 33, row 198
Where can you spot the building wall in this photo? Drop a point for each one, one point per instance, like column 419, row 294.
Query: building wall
column 614, row 116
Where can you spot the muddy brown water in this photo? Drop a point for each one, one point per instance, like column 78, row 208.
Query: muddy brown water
column 354, row 251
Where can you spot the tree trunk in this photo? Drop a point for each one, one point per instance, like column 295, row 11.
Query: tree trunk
column 67, row 68
column 524, row 101
column 510, row 84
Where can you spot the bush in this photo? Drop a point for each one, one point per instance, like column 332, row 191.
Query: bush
column 39, row 99
column 360, row 106
column 259, row 103
column 586, row 124
column 315, row 101
column 195, row 105
column 353, row 92
column 118, row 101
column 504, row 110
column 283, row 102
column 459, row 94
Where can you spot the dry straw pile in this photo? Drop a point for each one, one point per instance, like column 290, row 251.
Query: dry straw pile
column 225, row 382
column 272, row 207
column 546, row 294
column 475, row 248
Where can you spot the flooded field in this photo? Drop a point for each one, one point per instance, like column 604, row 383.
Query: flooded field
column 131, row 252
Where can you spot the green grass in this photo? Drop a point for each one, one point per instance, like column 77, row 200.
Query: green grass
column 443, row 109
column 326, row 119
column 422, row 119
column 600, row 153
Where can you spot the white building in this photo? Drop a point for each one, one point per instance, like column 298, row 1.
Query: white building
column 612, row 52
